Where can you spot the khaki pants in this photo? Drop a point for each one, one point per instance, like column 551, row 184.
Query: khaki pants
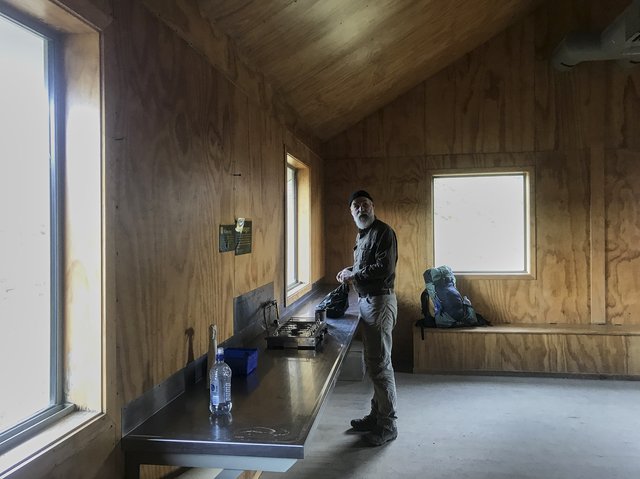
column 378, row 315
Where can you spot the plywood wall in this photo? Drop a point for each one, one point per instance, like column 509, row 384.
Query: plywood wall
column 192, row 152
column 504, row 105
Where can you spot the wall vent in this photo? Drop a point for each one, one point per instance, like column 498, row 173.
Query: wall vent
column 620, row 41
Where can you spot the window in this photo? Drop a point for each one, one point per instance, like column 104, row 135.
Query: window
column 298, row 245
column 50, row 224
column 29, row 229
column 292, row 228
column 481, row 222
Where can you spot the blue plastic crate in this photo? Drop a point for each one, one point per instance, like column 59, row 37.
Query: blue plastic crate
column 242, row 361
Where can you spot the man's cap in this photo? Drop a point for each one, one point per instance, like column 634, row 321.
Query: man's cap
column 358, row 194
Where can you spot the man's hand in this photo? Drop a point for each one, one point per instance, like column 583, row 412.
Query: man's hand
column 345, row 276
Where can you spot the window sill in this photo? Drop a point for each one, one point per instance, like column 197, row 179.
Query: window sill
column 524, row 276
column 46, row 440
column 297, row 292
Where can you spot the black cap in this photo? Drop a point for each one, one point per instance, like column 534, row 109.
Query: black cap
column 358, row 194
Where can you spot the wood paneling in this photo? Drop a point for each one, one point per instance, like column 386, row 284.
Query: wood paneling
column 623, row 109
column 185, row 18
column 623, row 236
column 482, row 103
column 562, row 222
column 405, row 137
column 531, row 349
column 528, row 352
column 193, row 152
column 633, row 355
column 335, row 61
column 595, row 354
column 95, row 12
column 381, row 134
column 469, row 353
column 175, row 187
column 597, row 241
column 569, row 106
column 190, row 151
column 503, row 301
column 258, row 185
column 489, row 98
column 505, row 98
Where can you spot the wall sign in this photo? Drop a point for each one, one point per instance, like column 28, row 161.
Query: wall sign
column 243, row 236
column 235, row 237
column 227, row 239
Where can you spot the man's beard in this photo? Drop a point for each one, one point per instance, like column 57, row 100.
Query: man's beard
column 364, row 221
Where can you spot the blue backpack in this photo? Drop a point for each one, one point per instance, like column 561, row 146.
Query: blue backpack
column 451, row 309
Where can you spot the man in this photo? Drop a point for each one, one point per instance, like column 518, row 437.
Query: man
column 373, row 274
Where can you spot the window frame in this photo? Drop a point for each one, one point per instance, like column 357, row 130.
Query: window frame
column 294, row 206
column 57, row 407
column 529, row 211
column 303, row 229
column 86, row 297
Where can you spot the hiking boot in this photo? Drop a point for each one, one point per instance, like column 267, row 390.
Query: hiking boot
column 367, row 423
column 380, row 435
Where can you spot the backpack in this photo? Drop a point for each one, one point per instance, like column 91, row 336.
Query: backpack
column 451, row 309
column 336, row 302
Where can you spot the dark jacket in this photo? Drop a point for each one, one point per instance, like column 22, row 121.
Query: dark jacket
column 375, row 255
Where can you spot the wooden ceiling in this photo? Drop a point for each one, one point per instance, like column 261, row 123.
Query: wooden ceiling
column 336, row 61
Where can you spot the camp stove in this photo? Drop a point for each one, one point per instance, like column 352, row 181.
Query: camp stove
column 295, row 333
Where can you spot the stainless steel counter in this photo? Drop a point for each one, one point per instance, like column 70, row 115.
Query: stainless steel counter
column 274, row 410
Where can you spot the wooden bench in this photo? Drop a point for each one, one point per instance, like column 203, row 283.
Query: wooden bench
column 563, row 349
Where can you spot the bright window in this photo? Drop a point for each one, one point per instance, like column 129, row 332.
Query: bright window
column 51, row 224
column 298, row 227
column 292, row 228
column 29, row 256
column 481, row 222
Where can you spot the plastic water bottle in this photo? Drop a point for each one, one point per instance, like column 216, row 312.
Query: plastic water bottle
column 220, row 385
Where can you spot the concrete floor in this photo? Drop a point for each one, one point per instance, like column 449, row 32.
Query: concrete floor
column 472, row 427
